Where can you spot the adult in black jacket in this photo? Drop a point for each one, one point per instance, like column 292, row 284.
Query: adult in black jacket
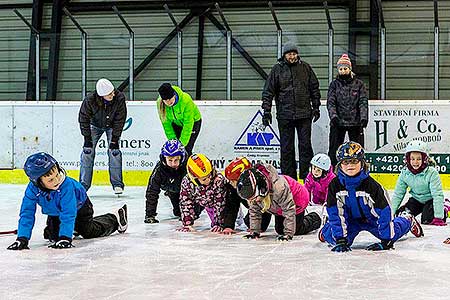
column 294, row 85
column 347, row 107
column 103, row 111
column 167, row 176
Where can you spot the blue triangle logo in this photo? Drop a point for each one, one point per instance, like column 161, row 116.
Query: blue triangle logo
column 256, row 135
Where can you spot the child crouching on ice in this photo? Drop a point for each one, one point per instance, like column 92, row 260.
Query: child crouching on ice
column 356, row 202
column 204, row 186
column 280, row 195
column 232, row 172
column 65, row 202
column 424, row 185
column 318, row 179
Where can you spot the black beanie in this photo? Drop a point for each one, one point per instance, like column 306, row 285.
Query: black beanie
column 166, row 91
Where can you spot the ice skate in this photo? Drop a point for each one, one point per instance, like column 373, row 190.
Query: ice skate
column 118, row 190
column 122, row 219
column 415, row 229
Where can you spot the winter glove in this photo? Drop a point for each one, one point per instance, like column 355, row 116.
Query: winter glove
column 364, row 123
column 20, row 244
column 334, row 122
column 447, row 241
column 114, row 147
column 63, row 243
column 438, row 222
column 267, row 118
column 284, row 238
column 252, row 236
column 216, row 228
column 151, row 220
column 341, row 246
column 88, row 145
column 316, row 115
column 228, row 231
column 383, row 245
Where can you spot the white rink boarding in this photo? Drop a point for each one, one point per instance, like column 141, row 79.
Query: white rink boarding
column 153, row 261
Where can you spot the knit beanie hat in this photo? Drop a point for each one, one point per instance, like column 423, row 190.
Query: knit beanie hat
column 344, row 61
column 289, row 48
column 166, row 91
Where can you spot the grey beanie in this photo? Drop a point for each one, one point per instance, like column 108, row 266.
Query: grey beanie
column 289, row 48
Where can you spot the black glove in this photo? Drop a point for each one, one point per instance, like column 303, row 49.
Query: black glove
column 383, row 245
column 151, row 220
column 341, row 246
column 88, row 142
column 316, row 115
column 252, row 236
column 113, row 145
column 20, row 244
column 334, row 121
column 364, row 123
column 267, row 118
column 284, row 238
column 63, row 243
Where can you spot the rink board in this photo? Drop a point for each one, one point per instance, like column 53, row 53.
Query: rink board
column 229, row 129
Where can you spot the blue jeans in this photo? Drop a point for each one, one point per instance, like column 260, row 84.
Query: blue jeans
column 401, row 227
column 114, row 160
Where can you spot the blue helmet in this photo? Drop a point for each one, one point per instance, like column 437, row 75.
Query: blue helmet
column 172, row 148
column 37, row 165
column 349, row 150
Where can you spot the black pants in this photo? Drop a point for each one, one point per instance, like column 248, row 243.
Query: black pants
column 85, row 224
column 337, row 136
column 416, row 208
column 287, row 139
column 303, row 224
column 194, row 135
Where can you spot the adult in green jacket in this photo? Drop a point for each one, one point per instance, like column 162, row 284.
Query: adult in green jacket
column 179, row 115
column 424, row 185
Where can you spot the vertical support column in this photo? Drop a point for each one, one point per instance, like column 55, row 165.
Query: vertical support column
column 180, row 58
column 83, row 65
column 330, row 42
column 229, row 64
column 383, row 64
column 38, row 67
column 131, row 66
column 436, row 51
column 330, row 54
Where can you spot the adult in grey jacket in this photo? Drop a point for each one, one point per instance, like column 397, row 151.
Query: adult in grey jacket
column 103, row 111
column 347, row 107
column 295, row 88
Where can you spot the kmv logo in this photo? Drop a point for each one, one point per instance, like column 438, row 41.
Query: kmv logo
column 255, row 135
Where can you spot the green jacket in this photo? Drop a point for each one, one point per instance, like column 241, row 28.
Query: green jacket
column 184, row 113
column 423, row 187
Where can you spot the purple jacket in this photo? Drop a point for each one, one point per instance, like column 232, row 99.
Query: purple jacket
column 318, row 189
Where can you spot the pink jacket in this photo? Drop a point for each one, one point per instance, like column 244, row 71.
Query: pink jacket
column 299, row 194
column 319, row 188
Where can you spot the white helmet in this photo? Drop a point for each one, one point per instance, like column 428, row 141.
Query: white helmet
column 104, row 87
column 321, row 161
column 417, row 146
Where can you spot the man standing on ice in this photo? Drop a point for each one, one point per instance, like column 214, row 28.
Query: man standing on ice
column 294, row 85
column 103, row 111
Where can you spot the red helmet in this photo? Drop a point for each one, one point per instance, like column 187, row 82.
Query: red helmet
column 236, row 167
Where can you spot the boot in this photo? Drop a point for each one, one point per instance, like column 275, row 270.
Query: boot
column 415, row 229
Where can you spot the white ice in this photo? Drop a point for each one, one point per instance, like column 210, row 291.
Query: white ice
column 153, row 261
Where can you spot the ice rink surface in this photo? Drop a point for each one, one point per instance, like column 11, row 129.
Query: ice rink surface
column 153, row 261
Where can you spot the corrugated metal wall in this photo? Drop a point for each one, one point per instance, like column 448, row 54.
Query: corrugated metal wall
column 409, row 49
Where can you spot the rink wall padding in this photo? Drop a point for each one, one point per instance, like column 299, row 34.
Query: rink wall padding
column 229, row 129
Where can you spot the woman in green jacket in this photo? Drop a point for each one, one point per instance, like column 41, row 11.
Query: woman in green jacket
column 179, row 115
column 424, row 184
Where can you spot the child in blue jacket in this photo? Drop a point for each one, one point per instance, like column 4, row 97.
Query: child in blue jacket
column 65, row 202
column 425, row 187
column 356, row 202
